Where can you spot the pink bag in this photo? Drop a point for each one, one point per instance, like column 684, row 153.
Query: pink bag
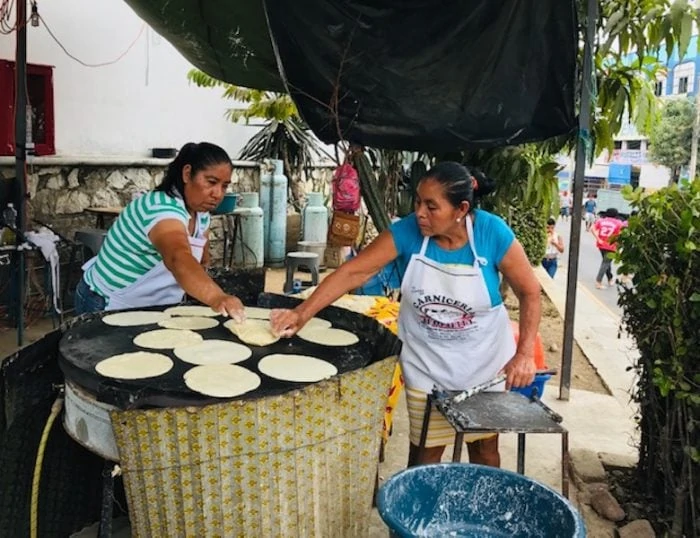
column 346, row 189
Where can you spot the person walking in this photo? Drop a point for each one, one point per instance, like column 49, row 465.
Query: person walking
column 452, row 322
column 605, row 231
column 589, row 208
column 555, row 246
column 565, row 205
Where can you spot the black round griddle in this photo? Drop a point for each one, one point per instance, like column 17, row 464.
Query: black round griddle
column 89, row 340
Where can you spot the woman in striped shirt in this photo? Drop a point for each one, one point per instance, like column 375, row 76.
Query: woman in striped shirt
column 157, row 249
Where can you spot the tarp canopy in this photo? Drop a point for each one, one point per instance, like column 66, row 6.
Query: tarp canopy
column 412, row 74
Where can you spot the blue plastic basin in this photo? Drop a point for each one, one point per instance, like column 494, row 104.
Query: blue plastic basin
column 474, row 501
column 228, row 204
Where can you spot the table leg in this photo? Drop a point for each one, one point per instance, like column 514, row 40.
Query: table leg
column 521, row 453
column 426, row 423
column 565, row 464
column 225, row 227
column 459, row 445
column 100, row 222
column 238, row 237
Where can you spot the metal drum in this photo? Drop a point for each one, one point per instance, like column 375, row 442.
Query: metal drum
column 288, row 459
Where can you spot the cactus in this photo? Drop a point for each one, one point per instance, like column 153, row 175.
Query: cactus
column 370, row 191
column 418, row 170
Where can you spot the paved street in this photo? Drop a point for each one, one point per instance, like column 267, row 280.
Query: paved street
column 589, row 262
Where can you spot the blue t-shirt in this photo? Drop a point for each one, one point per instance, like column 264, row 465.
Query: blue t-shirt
column 589, row 206
column 492, row 239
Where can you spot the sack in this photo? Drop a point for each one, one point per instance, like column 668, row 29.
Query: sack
column 344, row 229
column 346, row 189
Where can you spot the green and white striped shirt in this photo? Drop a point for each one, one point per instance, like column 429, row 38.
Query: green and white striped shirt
column 127, row 252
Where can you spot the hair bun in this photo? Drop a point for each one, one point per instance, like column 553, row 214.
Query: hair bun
column 483, row 184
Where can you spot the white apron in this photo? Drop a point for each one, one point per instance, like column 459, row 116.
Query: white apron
column 157, row 287
column 451, row 335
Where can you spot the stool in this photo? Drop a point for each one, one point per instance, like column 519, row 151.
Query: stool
column 294, row 261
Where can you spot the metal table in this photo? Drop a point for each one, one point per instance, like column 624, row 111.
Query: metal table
column 498, row 412
column 102, row 212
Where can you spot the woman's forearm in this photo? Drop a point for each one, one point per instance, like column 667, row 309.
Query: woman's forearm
column 333, row 287
column 530, row 311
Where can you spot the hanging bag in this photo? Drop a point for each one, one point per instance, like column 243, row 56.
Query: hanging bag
column 344, row 229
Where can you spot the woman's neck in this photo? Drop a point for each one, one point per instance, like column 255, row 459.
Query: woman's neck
column 456, row 238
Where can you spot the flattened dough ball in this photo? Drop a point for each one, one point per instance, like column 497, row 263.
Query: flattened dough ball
column 213, row 352
column 186, row 322
column 254, row 332
column 221, row 380
column 132, row 319
column 137, row 365
column 299, row 368
column 328, row 337
column 167, row 338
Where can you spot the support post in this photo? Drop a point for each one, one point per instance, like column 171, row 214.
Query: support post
column 584, row 122
column 20, row 157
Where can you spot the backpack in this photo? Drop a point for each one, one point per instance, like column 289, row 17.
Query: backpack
column 346, row 189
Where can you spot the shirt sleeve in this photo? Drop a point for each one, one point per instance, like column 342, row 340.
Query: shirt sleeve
column 404, row 233
column 160, row 207
column 497, row 236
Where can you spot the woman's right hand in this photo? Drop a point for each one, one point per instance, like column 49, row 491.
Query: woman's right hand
column 286, row 323
column 229, row 305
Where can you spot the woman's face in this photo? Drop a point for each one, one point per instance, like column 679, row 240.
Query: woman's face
column 434, row 212
column 550, row 228
column 205, row 189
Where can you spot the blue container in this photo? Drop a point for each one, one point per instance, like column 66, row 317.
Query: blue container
column 315, row 227
column 474, row 501
column 227, row 205
column 538, row 383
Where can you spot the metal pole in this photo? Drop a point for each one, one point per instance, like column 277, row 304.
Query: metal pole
column 20, row 156
column 584, row 122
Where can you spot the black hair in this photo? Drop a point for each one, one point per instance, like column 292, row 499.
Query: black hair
column 199, row 156
column 461, row 183
column 551, row 222
column 611, row 212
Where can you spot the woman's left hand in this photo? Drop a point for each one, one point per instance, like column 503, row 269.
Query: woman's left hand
column 520, row 370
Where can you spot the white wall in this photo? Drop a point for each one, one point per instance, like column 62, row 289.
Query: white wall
column 142, row 101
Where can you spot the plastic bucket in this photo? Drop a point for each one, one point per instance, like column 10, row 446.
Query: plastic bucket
column 227, row 205
column 474, row 501
column 538, row 383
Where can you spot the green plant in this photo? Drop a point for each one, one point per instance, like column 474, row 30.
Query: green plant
column 671, row 138
column 661, row 249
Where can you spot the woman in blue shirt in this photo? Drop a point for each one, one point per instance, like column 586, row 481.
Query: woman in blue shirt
column 454, row 328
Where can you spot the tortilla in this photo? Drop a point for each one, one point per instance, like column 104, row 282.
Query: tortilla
column 195, row 311
column 221, row 380
column 254, row 332
column 328, row 337
column 137, row 365
column 191, row 323
column 300, row 368
column 136, row 317
column 213, row 352
column 167, row 338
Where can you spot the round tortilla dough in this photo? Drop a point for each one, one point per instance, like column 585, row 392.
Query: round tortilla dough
column 299, row 368
column 192, row 323
column 255, row 312
column 195, row 311
column 328, row 337
column 221, row 380
column 317, row 323
column 137, row 365
column 254, row 332
column 213, row 352
column 137, row 317
column 167, row 338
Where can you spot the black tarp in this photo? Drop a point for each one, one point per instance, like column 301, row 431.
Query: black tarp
column 413, row 74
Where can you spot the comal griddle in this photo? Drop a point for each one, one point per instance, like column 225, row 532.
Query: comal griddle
column 89, row 340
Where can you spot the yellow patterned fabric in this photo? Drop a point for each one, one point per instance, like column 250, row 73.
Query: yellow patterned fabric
column 302, row 464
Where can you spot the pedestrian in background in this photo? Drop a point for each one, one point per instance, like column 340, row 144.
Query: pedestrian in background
column 589, row 207
column 605, row 231
column 565, row 205
column 555, row 246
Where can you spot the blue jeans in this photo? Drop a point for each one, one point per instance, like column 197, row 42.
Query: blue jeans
column 550, row 265
column 87, row 301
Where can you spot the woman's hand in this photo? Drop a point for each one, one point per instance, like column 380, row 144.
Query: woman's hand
column 286, row 323
column 520, row 370
column 229, row 305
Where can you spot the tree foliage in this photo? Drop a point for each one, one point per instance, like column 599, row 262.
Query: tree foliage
column 671, row 137
column 661, row 249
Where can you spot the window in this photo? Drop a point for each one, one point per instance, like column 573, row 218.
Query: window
column 683, row 85
column 659, row 88
column 634, row 144
column 39, row 88
column 683, row 78
column 618, row 144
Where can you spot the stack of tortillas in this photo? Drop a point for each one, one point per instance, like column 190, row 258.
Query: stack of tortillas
column 255, row 332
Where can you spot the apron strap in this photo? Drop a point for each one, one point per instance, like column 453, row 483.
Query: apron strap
column 478, row 260
column 424, row 246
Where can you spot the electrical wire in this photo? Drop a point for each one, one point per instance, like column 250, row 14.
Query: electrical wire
column 101, row 64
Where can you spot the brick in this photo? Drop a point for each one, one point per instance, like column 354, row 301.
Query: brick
column 586, row 465
column 617, row 461
column 639, row 528
column 606, row 506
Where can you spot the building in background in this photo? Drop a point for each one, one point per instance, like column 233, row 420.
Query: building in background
column 132, row 96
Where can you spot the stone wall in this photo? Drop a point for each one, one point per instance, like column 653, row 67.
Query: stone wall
column 60, row 191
